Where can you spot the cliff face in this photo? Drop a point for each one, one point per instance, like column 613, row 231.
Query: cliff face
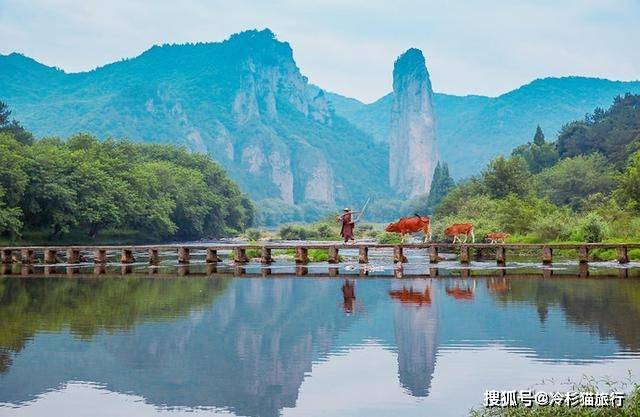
column 412, row 144
column 243, row 101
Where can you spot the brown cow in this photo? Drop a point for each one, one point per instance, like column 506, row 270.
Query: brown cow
column 413, row 224
column 496, row 237
column 457, row 229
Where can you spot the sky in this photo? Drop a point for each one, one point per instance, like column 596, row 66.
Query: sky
column 485, row 47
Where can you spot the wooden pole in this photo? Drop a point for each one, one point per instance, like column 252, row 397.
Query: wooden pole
column 265, row 255
column 334, row 256
column 623, row 256
column 363, row 254
column 302, row 255
column 433, row 254
column 583, row 254
column 547, row 255
column 183, row 255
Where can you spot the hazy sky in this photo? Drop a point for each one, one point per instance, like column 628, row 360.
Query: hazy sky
column 472, row 47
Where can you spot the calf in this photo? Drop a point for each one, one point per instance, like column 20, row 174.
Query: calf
column 458, row 229
column 496, row 237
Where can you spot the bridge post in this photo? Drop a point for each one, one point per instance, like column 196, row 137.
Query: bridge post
column 501, row 255
column 301, row 270
column 583, row 254
column 154, row 256
column 240, row 255
column 27, row 256
column 363, row 255
column 183, row 270
column 73, row 256
column 623, row 256
column 127, row 257
column 50, row 256
column 302, row 255
column 183, row 255
column 265, row 255
column 99, row 256
column 433, row 254
column 547, row 255
column 334, row 256
column 212, row 256
column 7, row 256
column 464, row 254
column 583, row 270
column 398, row 255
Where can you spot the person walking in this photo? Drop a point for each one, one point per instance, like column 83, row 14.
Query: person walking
column 348, row 225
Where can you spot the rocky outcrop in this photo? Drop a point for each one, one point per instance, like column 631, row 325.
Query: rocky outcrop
column 412, row 144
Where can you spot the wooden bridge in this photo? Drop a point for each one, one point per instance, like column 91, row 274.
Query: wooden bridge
column 127, row 254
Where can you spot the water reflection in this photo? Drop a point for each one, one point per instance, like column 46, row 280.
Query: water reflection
column 248, row 345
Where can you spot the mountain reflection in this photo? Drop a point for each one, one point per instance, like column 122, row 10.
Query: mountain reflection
column 246, row 345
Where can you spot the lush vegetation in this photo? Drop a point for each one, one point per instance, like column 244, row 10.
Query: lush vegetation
column 82, row 186
column 544, row 192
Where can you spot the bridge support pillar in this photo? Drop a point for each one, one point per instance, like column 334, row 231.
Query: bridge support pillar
column 265, row 255
column 501, row 255
column 398, row 255
column 7, row 256
column 99, row 256
column 183, row 255
column 334, row 256
column 623, row 256
column 212, row 256
column 583, row 254
column 240, row 256
column 50, row 256
column 363, row 255
column 464, row 254
column 73, row 256
column 433, row 254
column 302, row 256
column 547, row 255
column 127, row 257
column 27, row 256
column 154, row 256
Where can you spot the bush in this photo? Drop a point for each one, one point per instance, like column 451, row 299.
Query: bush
column 389, row 238
column 253, row 234
column 293, row 232
column 552, row 227
column 593, row 228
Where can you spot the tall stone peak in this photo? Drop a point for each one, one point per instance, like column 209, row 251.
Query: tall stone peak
column 413, row 152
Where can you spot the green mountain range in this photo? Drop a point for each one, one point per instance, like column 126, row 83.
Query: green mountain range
column 245, row 102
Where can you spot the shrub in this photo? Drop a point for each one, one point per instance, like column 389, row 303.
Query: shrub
column 389, row 238
column 293, row 232
column 253, row 234
column 593, row 228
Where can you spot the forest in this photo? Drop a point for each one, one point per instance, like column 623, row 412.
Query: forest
column 585, row 186
column 82, row 188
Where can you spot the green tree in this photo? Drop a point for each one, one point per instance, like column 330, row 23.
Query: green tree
column 572, row 180
column 440, row 186
column 13, row 127
column 507, row 176
column 538, row 138
column 538, row 154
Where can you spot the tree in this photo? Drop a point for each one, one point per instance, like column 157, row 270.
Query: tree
column 507, row 176
column 13, row 127
column 538, row 154
column 440, row 186
column 572, row 180
column 538, row 138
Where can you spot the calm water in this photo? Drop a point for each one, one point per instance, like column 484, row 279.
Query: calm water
column 81, row 344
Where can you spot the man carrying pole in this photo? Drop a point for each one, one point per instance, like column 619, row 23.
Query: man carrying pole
column 349, row 223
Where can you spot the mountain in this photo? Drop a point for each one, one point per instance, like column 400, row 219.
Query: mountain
column 413, row 152
column 471, row 130
column 244, row 101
